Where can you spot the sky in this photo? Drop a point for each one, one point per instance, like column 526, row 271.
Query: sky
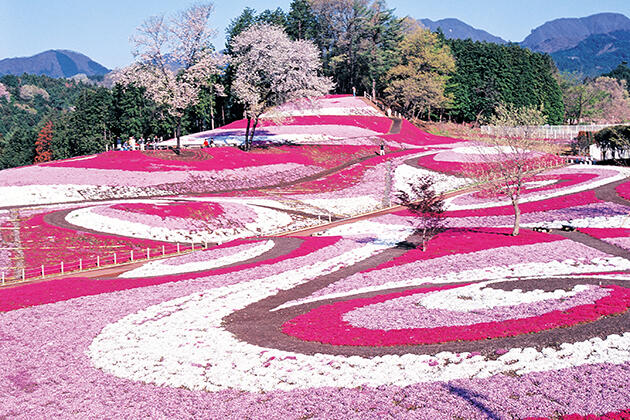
column 101, row 29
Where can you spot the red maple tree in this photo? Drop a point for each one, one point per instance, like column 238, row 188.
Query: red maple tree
column 43, row 153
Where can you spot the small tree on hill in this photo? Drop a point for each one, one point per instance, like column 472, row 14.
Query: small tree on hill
column 270, row 70
column 427, row 207
column 505, row 163
column 43, row 152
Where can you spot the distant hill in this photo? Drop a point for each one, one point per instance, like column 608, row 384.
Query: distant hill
column 567, row 33
column 53, row 63
column 596, row 54
column 456, row 29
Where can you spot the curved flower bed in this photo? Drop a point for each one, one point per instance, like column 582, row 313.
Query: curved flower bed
column 604, row 175
column 238, row 220
column 201, row 261
column 624, row 190
column 326, row 324
column 556, row 257
column 468, row 305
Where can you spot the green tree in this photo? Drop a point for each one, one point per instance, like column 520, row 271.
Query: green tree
column 301, row 22
column 85, row 129
column 418, row 83
column 18, row 148
column 614, row 140
column 621, row 72
column 490, row 74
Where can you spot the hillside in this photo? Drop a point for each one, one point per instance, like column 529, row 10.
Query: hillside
column 596, row 54
column 566, row 33
column 53, row 63
column 284, row 282
column 456, row 29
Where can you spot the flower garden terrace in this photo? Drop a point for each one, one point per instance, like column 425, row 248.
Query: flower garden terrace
column 351, row 322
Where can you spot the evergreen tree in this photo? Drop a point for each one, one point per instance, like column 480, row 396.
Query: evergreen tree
column 621, row 72
column 301, row 22
column 18, row 148
column 490, row 74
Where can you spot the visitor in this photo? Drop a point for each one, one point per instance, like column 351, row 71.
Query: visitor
column 125, row 146
column 118, row 143
column 132, row 143
column 205, row 143
column 211, row 142
column 382, row 151
column 141, row 143
column 354, row 91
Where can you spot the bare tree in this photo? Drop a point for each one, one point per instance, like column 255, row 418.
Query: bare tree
column 174, row 59
column 270, row 70
column 506, row 161
column 427, row 207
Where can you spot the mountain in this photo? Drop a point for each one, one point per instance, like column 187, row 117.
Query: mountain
column 455, row 28
column 53, row 63
column 567, row 33
column 596, row 54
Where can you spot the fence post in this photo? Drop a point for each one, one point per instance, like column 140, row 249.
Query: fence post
column 98, row 260
column 80, row 264
column 205, row 244
column 23, row 275
column 148, row 255
column 178, row 247
column 114, row 258
column 163, row 251
column 329, row 219
column 192, row 246
column 3, row 278
column 61, row 267
column 132, row 255
column 42, row 270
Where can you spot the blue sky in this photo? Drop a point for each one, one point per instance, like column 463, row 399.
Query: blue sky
column 101, row 29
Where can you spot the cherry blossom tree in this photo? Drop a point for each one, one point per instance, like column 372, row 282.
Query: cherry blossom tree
column 504, row 164
column 174, row 59
column 270, row 69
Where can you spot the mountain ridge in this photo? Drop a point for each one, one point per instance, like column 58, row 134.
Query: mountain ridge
column 455, row 28
column 56, row 63
column 566, row 33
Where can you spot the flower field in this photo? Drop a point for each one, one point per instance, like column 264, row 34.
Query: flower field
column 341, row 320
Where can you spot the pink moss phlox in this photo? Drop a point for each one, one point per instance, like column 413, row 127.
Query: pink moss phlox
column 325, row 324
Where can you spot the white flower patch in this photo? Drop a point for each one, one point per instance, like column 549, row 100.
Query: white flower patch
column 181, row 343
column 619, row 221
column 267, row 221
column 405, row 174
column 477, row 297
column 62, row 193
column 346, row 205
column 163, row 268
column 381, row 233
column 524, row 270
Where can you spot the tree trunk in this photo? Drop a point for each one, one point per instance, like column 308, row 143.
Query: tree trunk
column 517, row 217
column 178, row 133
column 251, row 137
column 249, row 121
column 211, row 117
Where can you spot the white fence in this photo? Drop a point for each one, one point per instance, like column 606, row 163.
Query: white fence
column 556, row 132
